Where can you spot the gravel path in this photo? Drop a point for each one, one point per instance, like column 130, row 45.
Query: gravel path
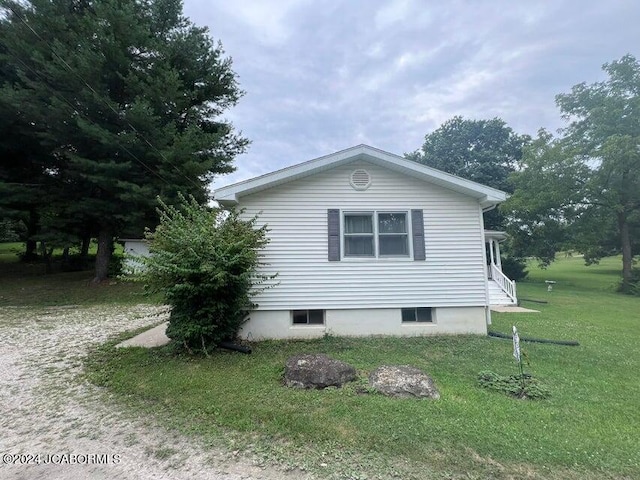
column 79, row 433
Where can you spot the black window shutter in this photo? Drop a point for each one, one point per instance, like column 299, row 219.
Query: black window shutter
column 333, row 223
column 417, row 227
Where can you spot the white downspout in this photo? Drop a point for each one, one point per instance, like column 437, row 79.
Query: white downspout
column 487, row 306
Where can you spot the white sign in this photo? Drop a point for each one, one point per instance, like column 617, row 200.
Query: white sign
column 516, row 344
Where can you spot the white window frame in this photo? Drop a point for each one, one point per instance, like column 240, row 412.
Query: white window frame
column 346, row 235
column 376, row 235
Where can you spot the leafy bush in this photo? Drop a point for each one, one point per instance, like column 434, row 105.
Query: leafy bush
column 11, row 230
column 204, row 261
column 515, row 268
column 634, row 283
column 512, row 385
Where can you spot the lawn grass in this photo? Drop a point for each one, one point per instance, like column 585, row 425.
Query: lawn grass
column 570, row 271
column 26, row 284
column 587, row 429
column 9, row 251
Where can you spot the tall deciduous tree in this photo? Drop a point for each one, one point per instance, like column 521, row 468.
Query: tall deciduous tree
column 485, row 151
column 591, row 177
column 605, row 126
column 126, row 98
column 547, row 195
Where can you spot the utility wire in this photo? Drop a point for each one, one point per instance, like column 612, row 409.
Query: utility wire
column 100, row 97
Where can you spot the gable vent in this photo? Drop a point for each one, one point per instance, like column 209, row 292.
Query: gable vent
column 360, row 179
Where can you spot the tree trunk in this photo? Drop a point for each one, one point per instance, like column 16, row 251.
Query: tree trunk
column 31, row 252
column 103, row 256
column 86, row 241
column 84, row 251
column 627, row 256
column 65, row 259
column 46, row 256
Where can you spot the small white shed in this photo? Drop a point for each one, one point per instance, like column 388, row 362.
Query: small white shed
column 134, row 247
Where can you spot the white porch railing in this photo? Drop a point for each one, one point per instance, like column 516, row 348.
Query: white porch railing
column 508, row 286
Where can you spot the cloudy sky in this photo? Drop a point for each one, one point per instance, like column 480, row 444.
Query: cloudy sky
column 321, row 76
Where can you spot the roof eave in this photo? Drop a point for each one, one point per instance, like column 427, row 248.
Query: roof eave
column 287, row 174
column 487, row 196
column 227, row 201
column 492, row 201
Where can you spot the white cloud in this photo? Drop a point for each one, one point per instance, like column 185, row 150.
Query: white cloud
column 325, row 76
column 392, row 13
column 269, row 22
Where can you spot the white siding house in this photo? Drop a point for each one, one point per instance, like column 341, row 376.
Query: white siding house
column 366, row 243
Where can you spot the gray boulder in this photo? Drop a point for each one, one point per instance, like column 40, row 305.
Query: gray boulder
column 317, row 371
column 403, row 381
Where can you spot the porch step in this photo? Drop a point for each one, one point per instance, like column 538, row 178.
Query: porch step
column 497, row 297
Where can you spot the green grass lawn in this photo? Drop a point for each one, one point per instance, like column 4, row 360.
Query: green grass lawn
column 588, row 428
column 26, row 284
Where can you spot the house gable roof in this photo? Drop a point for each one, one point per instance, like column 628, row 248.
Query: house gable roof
column 487, row 196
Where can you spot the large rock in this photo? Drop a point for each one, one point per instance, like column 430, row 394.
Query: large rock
column 403, row 381
column 317, row 371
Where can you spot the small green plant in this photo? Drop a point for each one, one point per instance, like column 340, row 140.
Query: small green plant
column 520, row 385
column 513, row 385
column 204, row 261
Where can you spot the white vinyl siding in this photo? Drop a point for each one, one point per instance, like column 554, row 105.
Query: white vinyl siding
column 452, row 273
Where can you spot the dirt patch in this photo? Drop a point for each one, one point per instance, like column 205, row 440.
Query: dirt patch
column 57, row 426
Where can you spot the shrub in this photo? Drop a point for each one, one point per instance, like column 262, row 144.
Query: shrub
column 204, row 262
column 634, row 283
column 515, row 268
column 512, row 385
column 11, row 230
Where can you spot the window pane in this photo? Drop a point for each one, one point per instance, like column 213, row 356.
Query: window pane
column 423, row 314
column 394, row 245
column 392, row 223
column 316, row 317
column 408, row 314
column 358, row 223
column 300, row 316
column 358, row 246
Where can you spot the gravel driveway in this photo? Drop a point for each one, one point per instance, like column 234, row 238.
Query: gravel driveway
column 47, row 410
